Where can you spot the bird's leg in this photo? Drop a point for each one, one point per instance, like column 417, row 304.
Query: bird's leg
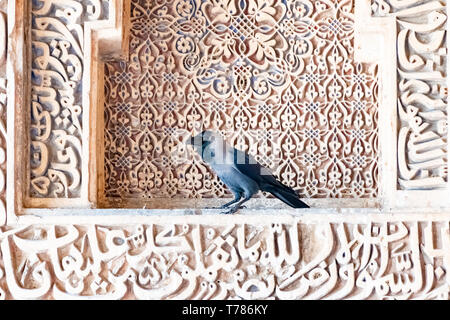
column 237, row 206
column 237, row 197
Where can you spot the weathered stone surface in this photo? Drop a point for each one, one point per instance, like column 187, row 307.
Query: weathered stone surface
column 276, row 79
column 51, row 250
column 243, row 257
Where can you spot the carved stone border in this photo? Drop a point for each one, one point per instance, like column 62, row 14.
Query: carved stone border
column 413, row 77
column 242, row 257
column 322, row 254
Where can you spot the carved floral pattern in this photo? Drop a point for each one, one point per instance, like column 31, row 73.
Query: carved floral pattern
column 277, row 79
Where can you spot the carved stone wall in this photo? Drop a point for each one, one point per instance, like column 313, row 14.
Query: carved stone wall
column 422, row 92
column 422, row 144
column 59, row 50
column 66, row 253
column 3, row 100
column 277, row 79
column 279, row 257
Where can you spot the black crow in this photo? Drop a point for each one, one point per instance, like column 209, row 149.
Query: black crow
column 240, row 172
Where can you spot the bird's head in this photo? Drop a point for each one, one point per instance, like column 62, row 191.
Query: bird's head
column 202, row 140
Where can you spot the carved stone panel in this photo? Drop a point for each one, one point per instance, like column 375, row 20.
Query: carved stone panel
column 276, row 79
column 312, row 113
column 58, row 125
column 276, row 257
column 422, row 105
column 422, row 92
column 3, row 103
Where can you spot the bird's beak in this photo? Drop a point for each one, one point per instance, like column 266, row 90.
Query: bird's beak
column 189, row 141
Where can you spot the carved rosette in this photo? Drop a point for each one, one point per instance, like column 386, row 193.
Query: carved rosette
column 57, row 113
column 270, row 259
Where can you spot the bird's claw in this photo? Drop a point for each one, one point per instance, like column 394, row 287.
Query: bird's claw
column 234, row 209
column 231, row 211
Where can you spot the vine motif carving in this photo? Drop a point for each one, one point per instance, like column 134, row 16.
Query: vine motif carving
column 277, row 79
column 56, row 97
column 386, row 260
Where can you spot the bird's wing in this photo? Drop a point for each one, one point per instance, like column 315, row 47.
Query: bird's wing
column 247, row 165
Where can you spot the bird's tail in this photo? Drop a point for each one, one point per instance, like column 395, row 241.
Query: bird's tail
column 289, row 197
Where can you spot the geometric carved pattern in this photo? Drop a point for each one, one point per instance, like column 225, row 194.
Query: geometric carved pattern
column 56, row 106
column 264, row 260
column 422, row 92
column 276, row 78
